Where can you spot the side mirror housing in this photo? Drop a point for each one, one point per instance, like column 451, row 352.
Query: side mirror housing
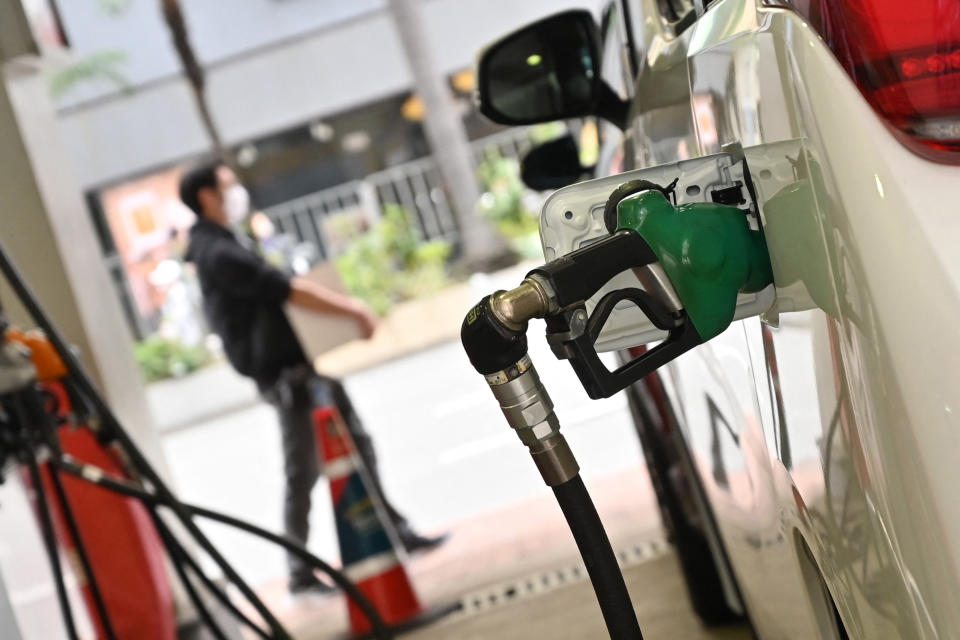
column 548, row 70
column 552, row 165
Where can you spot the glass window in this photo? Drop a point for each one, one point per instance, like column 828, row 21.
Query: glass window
column 675, row 10
column 676, row 15
column 614, row 54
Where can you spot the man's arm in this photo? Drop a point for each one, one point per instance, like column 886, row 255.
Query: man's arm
column 315, row 297
column 244, row 274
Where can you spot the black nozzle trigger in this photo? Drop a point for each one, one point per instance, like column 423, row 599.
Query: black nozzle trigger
column 572, row 335
column 580, row 346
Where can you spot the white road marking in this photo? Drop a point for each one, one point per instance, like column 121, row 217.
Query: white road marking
column 477, row 447
column 576, row 418
column 461, row 403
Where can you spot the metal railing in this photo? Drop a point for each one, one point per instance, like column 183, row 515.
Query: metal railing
column 417, row 186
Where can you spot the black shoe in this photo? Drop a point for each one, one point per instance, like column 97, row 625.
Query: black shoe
column 415, row 543
column 309, row 585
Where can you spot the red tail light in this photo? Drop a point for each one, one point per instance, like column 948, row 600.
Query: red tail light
column 904, row 56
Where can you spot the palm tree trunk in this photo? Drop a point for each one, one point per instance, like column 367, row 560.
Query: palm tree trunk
column 173, row 14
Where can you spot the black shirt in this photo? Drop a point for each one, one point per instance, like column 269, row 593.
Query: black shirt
column 243, row 299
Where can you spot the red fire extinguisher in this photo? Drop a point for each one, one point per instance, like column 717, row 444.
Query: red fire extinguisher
column 125, row 550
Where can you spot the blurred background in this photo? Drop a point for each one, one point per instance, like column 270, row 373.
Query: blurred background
column 352, row 124
column 317, row 107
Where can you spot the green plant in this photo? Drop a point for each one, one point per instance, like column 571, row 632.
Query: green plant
column 502, row 201
column 114, row 7
column 390, row 262
column 540, row 133
column 161, row 358
column 103, row 65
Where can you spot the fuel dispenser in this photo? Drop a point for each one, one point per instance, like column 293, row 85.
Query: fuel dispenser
column 688, row 252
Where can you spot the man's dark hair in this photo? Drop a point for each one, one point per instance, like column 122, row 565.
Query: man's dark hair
column 201, row 177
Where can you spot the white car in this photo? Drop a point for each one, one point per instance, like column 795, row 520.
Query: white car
column 807, row 460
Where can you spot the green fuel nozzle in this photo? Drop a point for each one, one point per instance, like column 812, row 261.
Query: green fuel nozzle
column 708, row 252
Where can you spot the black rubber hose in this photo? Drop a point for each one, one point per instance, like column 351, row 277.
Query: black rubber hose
column 116, row 431
column 50, row 542
column 178, row 553
column 598, row 556
column 95, row 475
column 98, row 602
column 380, row 629
column 177, row 561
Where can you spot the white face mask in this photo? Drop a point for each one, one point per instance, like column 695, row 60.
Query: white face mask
column 236, row 203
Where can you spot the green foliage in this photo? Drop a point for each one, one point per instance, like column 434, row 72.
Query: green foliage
column 540, row 133
column 161, row 358
column 95, row 66
column 114, row 7
column 390, row 262
column 503, row 199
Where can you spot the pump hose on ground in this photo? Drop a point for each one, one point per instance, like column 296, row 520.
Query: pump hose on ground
column 598, row 556
column 497, row 348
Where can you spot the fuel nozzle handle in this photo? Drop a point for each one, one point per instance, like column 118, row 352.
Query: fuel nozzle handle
column 708, row 250
column 575, row 277
column 558, row 291
column 709, row 254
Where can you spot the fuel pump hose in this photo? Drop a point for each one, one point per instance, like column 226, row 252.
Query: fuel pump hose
column 598, row 556
column 493, row 335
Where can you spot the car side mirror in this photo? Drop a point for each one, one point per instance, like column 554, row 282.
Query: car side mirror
column 548, row 70
column 553, row 165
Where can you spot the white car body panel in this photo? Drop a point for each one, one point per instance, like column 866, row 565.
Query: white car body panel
column 866, row 337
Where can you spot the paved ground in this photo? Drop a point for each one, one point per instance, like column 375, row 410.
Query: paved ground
column 571, row 613
column 516, row 573
column 25, row 572
column 446, row 453
column 451, row 463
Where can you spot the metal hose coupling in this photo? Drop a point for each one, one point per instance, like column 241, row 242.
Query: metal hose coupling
column 533, row 298
column 494, row 337
column 529, row 411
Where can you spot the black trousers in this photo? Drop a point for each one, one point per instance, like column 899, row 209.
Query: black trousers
column 294, row 397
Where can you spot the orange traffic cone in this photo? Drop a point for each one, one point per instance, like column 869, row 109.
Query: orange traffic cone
column 368, row 542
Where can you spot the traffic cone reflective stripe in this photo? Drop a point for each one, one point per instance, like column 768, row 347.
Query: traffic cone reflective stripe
column 340, row 468
column 372, row 566
column 369, row 554
column 332, row 443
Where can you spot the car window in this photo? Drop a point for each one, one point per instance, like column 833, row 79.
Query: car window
column 614, row 62
column 675, row 15
column 673, row 11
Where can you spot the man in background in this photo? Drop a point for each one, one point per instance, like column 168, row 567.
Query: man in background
column 244, row 300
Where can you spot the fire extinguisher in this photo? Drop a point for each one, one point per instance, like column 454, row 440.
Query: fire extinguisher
column 117, row 532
